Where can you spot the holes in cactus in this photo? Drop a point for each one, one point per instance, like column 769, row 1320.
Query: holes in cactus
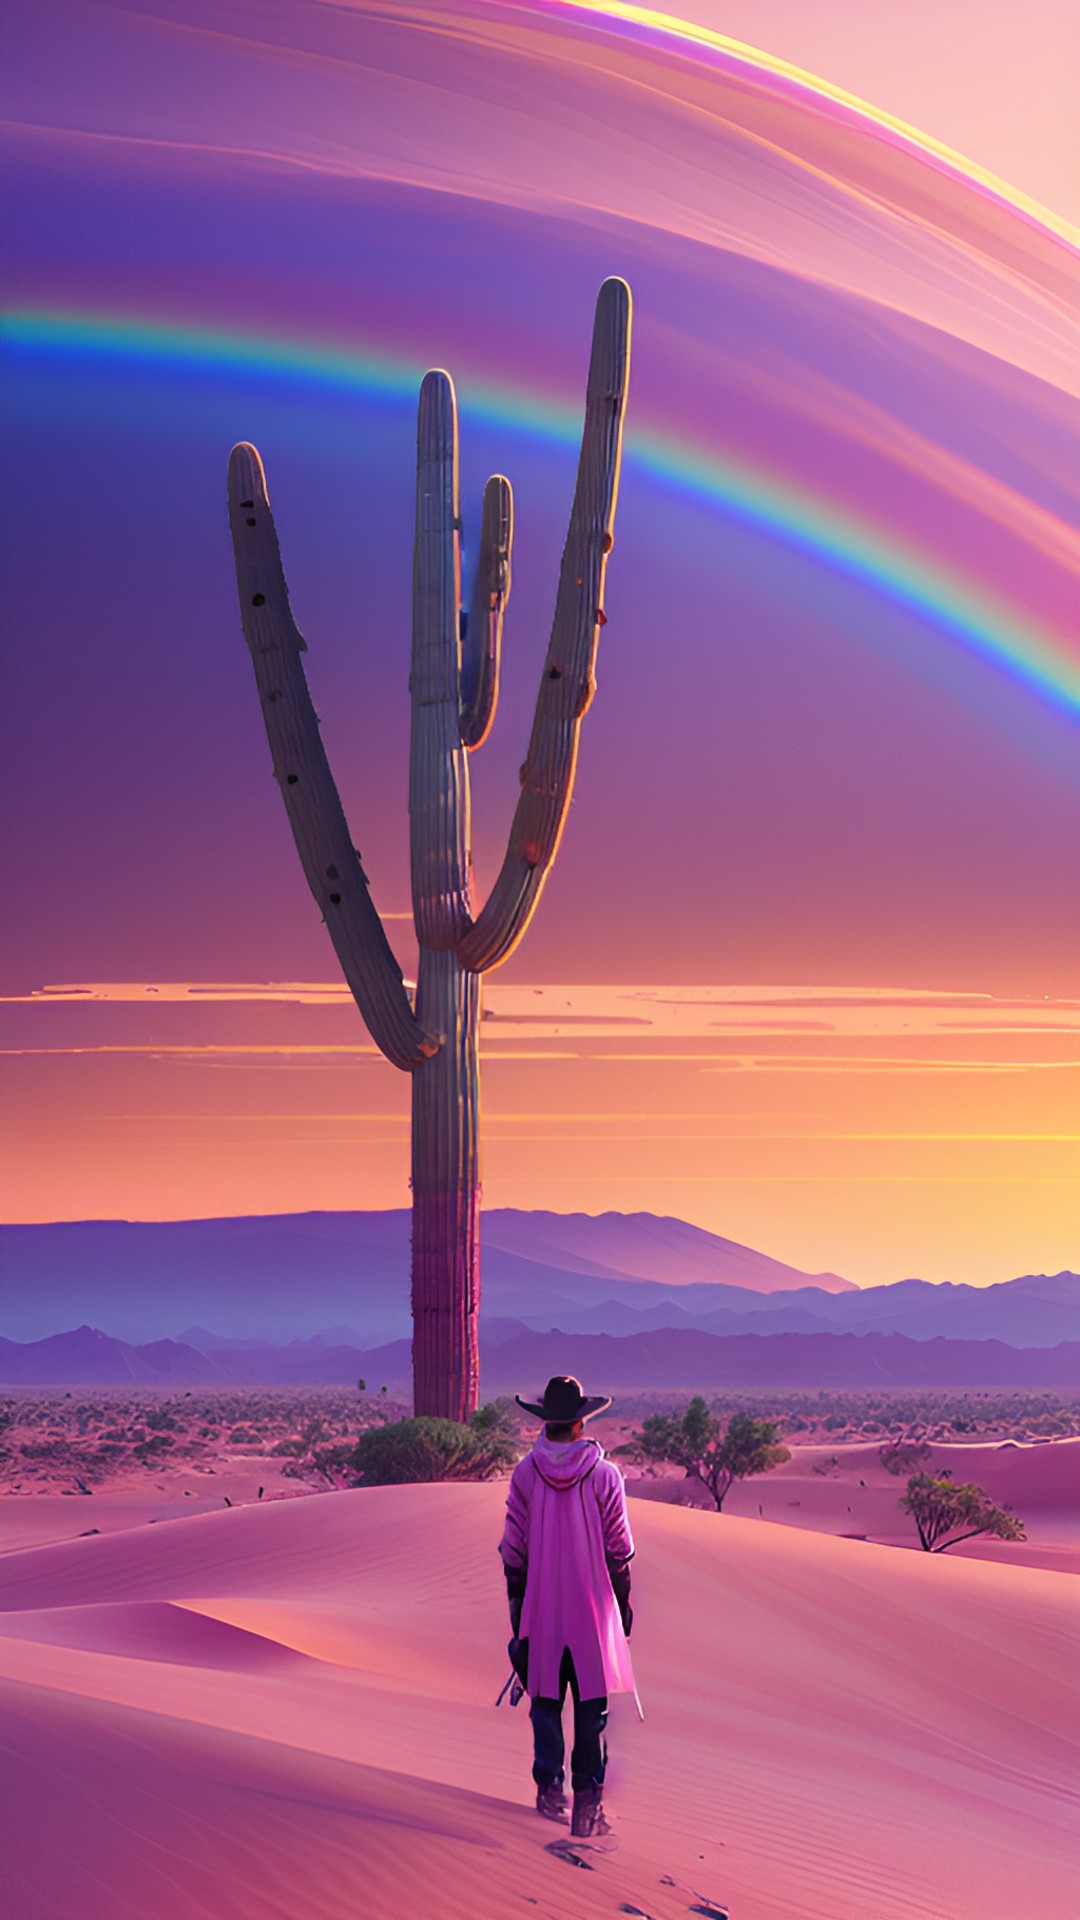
column 607, row 543
column 335, row 899
column 275, row 695
column 555, row 674
column 291, row 779
column 251, row 519
column 247, row 503
column 601, row 617
column 258, row 599
column 332, row 873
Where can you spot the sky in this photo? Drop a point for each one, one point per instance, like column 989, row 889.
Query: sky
column 806, row 970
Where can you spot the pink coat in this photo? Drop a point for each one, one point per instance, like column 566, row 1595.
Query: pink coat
column 565, row 1517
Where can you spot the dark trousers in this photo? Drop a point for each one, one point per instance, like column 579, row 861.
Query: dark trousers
column 588, row 1756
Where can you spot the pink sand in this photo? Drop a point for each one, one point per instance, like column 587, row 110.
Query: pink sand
column 287, row 1710
column 857, row 1498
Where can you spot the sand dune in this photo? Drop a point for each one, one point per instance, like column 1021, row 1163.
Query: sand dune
column 286, row 1710
column 845, row 1490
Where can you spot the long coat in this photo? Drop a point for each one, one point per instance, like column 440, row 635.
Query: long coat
column 565, row 1518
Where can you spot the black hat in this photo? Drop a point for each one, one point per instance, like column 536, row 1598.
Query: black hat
column 564, row 1402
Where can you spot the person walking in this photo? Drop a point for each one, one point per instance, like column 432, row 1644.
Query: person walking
column 566, row 1552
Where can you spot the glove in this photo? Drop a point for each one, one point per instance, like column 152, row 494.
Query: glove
column 619, row 1573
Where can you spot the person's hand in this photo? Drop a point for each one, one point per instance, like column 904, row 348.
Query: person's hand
column 619, row 1574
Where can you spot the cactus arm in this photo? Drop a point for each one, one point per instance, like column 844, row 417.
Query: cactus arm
column 327, row 855
column 482, row 639
column 567, row 683
column 438, row 769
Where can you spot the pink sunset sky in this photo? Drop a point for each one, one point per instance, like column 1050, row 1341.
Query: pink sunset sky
column 806, row 970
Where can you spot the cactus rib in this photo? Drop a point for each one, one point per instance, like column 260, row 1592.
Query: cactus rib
column 329, row 859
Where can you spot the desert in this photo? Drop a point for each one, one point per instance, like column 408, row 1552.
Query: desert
column 288, row 1708
column 257, row 1698
column 262, row 1690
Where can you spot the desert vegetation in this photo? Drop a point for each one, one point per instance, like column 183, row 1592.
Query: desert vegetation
column 454, row 684
column 87, row 1440
column 716, row 1457
column 945, row 1513
column 93, row 1439
column 833, row 1415
column 480, row 1448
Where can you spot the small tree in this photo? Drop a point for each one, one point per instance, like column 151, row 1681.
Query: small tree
column 426, row 1448
column 903, row 1455
column 695, row 1443
column 939, row 1508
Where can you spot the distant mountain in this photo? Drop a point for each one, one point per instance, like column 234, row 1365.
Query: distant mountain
column 87, row 1357
column 520, row 1360
column 671, row 1357
column 280, row 1276
column 1034, row 1311
column 343, row 1279
column 643, row 1246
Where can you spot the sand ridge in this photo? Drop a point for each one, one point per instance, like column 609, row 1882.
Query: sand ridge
column 287, row 1710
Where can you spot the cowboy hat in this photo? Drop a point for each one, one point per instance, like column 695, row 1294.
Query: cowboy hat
column 564, row 1402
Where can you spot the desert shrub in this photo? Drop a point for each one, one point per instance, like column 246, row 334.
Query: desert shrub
column 498, row 1417
column 939, row 1508
column 427, row 1449
column 903, row 1456
column 695, row 1443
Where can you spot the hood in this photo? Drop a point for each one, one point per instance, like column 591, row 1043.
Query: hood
column 564, row 1463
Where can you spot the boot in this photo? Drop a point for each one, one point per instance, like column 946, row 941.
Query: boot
column 588, row 1821
column 551, row 1801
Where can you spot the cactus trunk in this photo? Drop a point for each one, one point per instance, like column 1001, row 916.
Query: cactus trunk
column 446, row 1193
column 453, row 685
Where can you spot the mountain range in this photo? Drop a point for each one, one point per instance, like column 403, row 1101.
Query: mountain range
column 284, row 1276
column 515, row 1358
column 342, row 1279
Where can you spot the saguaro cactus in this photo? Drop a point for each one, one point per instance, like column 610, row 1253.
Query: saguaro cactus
column 454, row 686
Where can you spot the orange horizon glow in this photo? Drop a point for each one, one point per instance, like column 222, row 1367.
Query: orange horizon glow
column 929, row 1133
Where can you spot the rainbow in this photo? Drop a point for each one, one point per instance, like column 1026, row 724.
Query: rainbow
column 841, row 540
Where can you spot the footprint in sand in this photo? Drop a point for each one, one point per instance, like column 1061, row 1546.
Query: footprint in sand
column 563, row 1850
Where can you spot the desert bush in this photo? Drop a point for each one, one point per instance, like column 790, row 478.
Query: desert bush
column 939, row 1508
column 695, row 1443
column 903, row 1455
column 429, row 1449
